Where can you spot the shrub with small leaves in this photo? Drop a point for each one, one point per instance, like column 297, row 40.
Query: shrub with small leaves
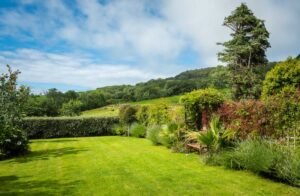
column 13, row 140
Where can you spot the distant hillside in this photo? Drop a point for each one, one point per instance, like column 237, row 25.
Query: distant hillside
column 156, row 88
column 187, row 81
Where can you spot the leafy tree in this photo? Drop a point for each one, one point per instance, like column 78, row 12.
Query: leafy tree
column 54, row 102
column 127, row 114
column 13, row 140
column 92, row 99
column 245, row 51
column 70, row 95
column 71, row 108
column 36, row 106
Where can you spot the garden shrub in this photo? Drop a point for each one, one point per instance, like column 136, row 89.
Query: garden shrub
column 153, row 134
column 284, row 74
column 246, row 118
column 68, row 127
column 262, row 157
column 199, row 105
column 254, row 155
column 137, row 130
column 284, row 113
column 215, row 136
column 142, row 114
column 167, row 135
column 120, row 129
column 13, row 141
column 286, row 166
column 158, row 114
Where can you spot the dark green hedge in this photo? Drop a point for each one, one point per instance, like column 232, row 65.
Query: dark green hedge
column 68, row 127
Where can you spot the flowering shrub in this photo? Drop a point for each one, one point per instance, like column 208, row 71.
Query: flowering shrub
column 12, row 99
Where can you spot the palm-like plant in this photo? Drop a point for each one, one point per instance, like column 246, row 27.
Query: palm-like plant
column 215, row 136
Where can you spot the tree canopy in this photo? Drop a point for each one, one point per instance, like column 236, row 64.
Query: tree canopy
column 245, row 50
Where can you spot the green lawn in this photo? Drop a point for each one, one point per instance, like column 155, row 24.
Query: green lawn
column 123, row 166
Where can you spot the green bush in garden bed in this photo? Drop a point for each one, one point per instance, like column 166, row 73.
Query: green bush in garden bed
column 42, row 127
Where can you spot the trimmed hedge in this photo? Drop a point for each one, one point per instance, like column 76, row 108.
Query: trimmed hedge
column 38, row 128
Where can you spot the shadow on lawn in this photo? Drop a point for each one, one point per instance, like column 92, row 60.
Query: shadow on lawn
column 13, row 185
column 47, row 154
column 55, row 141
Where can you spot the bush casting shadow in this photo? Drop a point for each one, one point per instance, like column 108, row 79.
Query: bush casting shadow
column 9, row 185
column 47, row 154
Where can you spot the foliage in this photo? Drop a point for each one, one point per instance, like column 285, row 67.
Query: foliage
column 167, row 135
column 119, row 129
column 92, row 99
column 153, row 114
column 153, row 134
column 127, row 114
column 13, row 141
column 142, row 114
column 267, row 158
column 284, row 74
column 246, row 84
column 54, row 101
column 216, row 136
column 246, row 118
column 199, row 105
column 68, row 127
column 284, row 112
column 36, row 106
column 137, row 130
column 245, row 51
column 71, row 108
column 158, row 114
column 50, row 103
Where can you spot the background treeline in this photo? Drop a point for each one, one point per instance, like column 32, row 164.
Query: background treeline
column 70, row 103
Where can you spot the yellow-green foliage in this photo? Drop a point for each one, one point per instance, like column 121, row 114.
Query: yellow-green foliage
column 284, row 74
column 157, row 114
column 284, row 112
column 200, row 100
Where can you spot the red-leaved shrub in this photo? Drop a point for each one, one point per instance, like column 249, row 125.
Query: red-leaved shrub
column 246, row 118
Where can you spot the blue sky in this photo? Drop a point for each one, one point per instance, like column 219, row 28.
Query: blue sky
column 85, row 44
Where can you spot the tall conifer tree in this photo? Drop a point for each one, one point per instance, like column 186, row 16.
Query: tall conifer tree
column 245, row 51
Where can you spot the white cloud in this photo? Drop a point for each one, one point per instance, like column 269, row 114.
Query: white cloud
column 69, row 69
column 152, row 34
column 200, row 22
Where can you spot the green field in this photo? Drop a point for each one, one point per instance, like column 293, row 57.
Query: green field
column 113, row 110
column 123, row 166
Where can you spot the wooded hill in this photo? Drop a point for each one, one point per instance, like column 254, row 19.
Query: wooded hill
column 55, row 103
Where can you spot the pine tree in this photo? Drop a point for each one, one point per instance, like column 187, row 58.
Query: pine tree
column 245, row 51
